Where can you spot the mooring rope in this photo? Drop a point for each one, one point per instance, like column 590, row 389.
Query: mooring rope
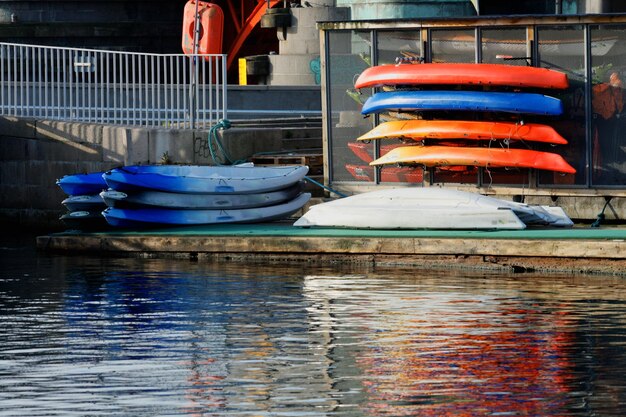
column 311, row 180
column 601, row 214
column 215, row 144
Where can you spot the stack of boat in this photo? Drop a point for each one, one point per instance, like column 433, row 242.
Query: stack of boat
column 424, row 90
column 83, row 203
column 157, row 195
column 417, row 100
column 171, row 195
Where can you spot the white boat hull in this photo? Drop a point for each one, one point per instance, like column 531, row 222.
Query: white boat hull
column 426, row 208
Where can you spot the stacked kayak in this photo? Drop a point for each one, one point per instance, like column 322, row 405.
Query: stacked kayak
column 461, row 73
column 489, row 139
column 84, row 204
column 141, row 196
column 442, row 130
column 455, row 117
column 477, row 101
column 432, row 156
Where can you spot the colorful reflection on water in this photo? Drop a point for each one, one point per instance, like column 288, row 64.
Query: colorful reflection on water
column 90, row 336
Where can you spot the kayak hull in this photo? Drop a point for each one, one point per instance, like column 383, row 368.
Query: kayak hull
column 466, row 130
column 428, row 208
column 483, row 157
column 82, row 184
column 462, row 74
column 389, row 174
column 161, row 199
column 90, row 202
column 146, row 217
column 84, row 220
column 482, row 101
column 365, row 152
column 204, row 179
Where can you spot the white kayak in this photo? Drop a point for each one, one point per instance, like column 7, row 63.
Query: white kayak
column 429, row 208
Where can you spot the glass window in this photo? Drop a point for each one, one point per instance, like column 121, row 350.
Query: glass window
column 504, row 46
column 507, row 46
column 349, row 54
column 398, row 44
column 608, row 125
column 562, row 48
column 453, row 45
column 393, row 45
column 597, row 151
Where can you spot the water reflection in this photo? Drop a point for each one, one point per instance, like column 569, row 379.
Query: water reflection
column 90, row 336
column 450, row 351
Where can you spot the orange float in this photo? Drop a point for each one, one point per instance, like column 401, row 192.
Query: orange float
column 211, row 28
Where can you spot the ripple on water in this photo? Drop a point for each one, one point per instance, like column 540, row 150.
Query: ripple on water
column 103, row 337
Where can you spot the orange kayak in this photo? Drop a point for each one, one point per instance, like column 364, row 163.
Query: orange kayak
column 459, row 129
column 461, row 74
column 483, row 157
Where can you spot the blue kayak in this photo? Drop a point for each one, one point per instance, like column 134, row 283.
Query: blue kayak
column 149, row 198
column 146, row 217
column 82, row 184
column 417, row 100
column 84, row 220
column 89, row 202
column 204, row 179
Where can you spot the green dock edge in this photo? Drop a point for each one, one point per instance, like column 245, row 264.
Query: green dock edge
column 287, row 230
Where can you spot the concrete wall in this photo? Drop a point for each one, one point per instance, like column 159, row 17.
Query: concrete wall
column 35, row 153
column 298, row 58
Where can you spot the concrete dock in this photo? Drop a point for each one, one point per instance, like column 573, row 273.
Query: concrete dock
column 569, row 251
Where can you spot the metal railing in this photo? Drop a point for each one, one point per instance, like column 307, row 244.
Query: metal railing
column 126, row 88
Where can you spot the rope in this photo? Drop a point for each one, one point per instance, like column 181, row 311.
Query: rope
column 601, row 214
column 311, row 180
column 488, row 171
column 215, row 144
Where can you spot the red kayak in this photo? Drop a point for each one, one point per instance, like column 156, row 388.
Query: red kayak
column 391, row 174
column 483, row 157
column 461, row 74
column 460, row 129
column 365, row 152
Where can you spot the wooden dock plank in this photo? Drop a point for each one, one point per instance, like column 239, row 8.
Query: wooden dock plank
column 558, row 255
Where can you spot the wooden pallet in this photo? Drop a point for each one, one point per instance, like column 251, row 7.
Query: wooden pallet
column 314, row 161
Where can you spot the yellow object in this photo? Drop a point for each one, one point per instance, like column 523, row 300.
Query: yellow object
column 243, row 75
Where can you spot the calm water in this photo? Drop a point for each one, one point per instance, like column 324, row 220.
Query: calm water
column 130, row 337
